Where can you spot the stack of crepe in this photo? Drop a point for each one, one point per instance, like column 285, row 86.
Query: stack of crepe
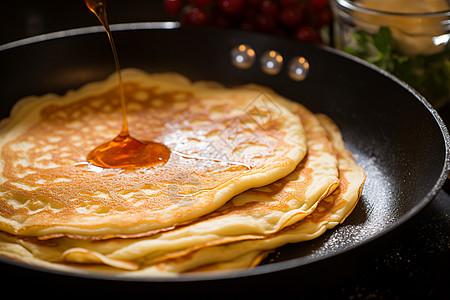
column 249, row 171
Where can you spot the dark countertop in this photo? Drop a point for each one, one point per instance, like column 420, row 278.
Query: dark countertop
column 414, row 261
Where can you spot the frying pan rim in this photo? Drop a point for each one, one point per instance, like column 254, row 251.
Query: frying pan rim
column 262, row 269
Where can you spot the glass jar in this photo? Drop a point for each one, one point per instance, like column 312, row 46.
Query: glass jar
column 410, row 39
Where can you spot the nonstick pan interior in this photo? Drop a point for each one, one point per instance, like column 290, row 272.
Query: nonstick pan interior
column 393, row 132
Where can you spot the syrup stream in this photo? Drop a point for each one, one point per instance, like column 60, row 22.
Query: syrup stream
column 98, row 7
column 123, row 151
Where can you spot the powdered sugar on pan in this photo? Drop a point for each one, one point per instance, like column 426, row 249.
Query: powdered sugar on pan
column 375, row 211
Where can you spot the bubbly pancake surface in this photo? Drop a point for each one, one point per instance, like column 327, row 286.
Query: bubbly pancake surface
column 219, row 137
column 257, row 211
column 191, row 248
column 222, row 141
column 330, row 212
column 249, row 215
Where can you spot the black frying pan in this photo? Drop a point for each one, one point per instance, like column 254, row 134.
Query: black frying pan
column 393, row 132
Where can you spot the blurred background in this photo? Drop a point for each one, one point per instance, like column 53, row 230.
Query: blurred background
column 20, row 19
column 409, row 38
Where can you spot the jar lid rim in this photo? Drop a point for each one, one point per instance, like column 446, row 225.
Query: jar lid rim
column 349, row 4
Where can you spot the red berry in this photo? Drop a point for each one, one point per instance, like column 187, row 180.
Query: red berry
column 172, row 6
column 200, row 3
column 250, row 13
column 256, row 3
column 195, row 16
column 269, row 8
column 291, row 16
column 306, row 12
column 266, row 23
column 286, row 3
column 323, row 18
column 306, row 33
column 231, row 6
column 318, row 5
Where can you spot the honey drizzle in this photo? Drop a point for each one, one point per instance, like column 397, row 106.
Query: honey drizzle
column 98, row 7
column 123, row 151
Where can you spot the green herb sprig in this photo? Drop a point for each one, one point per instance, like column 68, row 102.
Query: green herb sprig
column 428, row 74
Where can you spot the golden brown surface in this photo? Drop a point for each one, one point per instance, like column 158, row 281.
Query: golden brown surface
column 218, row 150
column 225, row 198
column 330, row 212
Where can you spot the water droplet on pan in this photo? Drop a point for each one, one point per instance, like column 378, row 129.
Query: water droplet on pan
column 243, row 56
column 271, row 62
column 298, row 68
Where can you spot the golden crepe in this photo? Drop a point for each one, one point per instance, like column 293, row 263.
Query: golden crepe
column 330, row 212
column 222, row 144
column 223, row 135
column 257, row 211
column 254, row 212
